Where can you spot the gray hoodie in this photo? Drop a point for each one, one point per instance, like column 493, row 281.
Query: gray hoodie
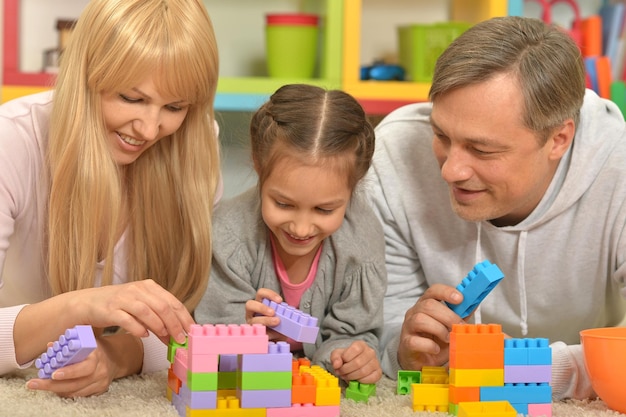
column 564, row 265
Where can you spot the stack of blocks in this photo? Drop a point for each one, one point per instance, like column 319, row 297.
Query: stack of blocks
column 235, row 371
column 488, row 375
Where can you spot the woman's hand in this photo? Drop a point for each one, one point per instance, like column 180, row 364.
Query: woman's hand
column 358, row 362
column 136, row 307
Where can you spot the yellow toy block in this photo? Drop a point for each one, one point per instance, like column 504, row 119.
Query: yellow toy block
column 434, row 375
column 327, row 390
column 429, row 397
column 486, row 409
column 477, row 377
column 227, row 407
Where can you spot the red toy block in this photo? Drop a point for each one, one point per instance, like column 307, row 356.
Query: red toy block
column 72, row 347
column 227, row 339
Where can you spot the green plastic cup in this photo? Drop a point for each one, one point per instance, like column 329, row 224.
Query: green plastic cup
column 291, row 43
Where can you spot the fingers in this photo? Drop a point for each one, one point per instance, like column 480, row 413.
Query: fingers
column 269, row 294
column 358, row 362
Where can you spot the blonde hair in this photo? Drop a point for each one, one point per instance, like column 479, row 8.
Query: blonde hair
column 169, row 190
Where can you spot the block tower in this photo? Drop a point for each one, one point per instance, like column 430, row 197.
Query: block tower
column 233, row 370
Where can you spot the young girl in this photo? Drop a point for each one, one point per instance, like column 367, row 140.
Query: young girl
column 305, row 236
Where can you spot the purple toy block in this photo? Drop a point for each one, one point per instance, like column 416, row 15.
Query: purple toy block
column 306, row 410
column 264, row 398
column 296, row 324
column 227, row 339
column 278, row 359
column 72, row 347
column 228, row 363
column 527, row 373
column 476, row 286
column 179, row 405
column 198, row 400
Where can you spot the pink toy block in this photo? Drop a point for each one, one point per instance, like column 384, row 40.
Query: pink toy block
column 277, row 359
column 543, row 410
column 296, row 324
column 307, row 410
column 527, row 373
column 203, row 363
column 227, row 339
column 264, row 398
column 180, row 365
column 72, row 347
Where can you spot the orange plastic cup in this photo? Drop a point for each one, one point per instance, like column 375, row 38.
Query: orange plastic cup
column 605, row 360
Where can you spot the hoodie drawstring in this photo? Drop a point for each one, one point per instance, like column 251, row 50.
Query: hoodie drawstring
column 521, row 258
column 479, row 258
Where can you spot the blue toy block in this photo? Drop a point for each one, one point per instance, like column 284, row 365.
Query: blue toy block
column 518, row 393
column 476, row 286
column 72, row 347
column 296, row 324
column 527, row 351
column 278, row 359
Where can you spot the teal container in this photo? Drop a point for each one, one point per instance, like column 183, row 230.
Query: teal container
column 291, row 45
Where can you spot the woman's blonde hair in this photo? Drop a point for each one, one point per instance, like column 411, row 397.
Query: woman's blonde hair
column 169, row 191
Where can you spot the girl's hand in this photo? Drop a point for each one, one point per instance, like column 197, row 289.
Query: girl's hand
column 259, row 313
column 358, row 362
column 136, row 307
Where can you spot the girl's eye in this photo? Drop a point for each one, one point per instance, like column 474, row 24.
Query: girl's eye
column 281, row 205
column 325, row 211
column 174, row 109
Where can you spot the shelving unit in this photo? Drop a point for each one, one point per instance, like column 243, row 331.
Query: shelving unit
column 243, row 83
column 381, row 97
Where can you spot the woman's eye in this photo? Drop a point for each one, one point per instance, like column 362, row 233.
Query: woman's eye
column 129, row 100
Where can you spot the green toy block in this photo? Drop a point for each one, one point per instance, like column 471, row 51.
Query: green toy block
column 405, row 379
column 360, row 392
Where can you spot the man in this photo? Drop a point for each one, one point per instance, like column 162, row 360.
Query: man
column 514, row 162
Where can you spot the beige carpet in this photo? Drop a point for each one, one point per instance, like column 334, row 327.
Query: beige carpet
column 145, row 396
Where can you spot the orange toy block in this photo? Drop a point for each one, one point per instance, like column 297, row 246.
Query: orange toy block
column 303, row 389
column 483, row 342
column 172, row 380
column 463, row 394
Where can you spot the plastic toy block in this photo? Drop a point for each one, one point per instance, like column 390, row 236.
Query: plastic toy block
column 297, row 363
column 227, row 407
column 328, row 391
column 476, row 286
column 486, row 409
column 202, row 381
column 198, row 399
column 179, row 405
column 430, row 397
column 527, row 373
column 476, row 346
column 227, row 363
column 463, row 394
column 518, row 393
column 168, row 393
column 303, row 389
column 277, row 359
column 171, row 349
column 536, row 410
column 72, row 347
column 226, row 380
column 179, row 367
column 405, row 379
column 264, row 380
column 360, row 392
column 227, row 339
column 296, row 324
column 434, row 375
column 264, row 398
column 173, row 382
column 306, row 410
column 527, row 352
column 203, row 363
column 477, row 377
column 226, row 392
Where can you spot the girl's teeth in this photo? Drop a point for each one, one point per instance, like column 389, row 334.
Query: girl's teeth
column 131, row 141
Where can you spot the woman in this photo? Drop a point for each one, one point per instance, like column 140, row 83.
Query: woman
column 107, row 186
